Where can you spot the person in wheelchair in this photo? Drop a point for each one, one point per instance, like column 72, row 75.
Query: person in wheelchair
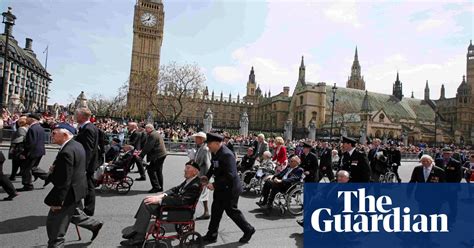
column 281, row 182
column 185, row 194
column 114, row 150
column 121, row 162
column 247, row 162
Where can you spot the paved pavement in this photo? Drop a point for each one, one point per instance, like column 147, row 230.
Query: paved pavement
column 22, row 221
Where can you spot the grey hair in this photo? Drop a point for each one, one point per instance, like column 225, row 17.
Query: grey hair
column 84, row 112
column 427, row 157
column 261, row 136
column 297, row 159
column 150, row 126
column 343, row 173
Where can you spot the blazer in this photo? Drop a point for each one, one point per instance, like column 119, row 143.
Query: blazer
column 294, row 176
column 280, row 157
column 224, row 169
column 135, row 139
column 452, row 170
column 326, row 158
column 357, row 165
column 437, row 175
column 154, row 147
column 68, row 176
column 88, row 136
column 310, row 163
column 183, row 195
column 34, row 141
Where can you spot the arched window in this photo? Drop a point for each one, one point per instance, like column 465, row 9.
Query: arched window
column 465, row 99
column 378, row 134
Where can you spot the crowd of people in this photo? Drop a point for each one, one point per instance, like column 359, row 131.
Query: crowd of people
column 86, row 143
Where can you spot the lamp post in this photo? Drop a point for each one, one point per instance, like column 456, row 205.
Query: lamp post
column 9, row 21
column 333, row 101
column 436, row 129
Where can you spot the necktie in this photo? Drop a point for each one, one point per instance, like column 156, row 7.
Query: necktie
column 426, row 173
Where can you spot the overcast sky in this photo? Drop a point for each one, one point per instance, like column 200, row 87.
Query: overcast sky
column 90, row 42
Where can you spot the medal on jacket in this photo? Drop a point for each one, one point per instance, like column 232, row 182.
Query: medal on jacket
column 216, row 164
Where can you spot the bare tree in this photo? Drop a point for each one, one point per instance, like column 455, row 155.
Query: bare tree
column 175, row 89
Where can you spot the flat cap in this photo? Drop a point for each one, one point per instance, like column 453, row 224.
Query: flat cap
column 348, row 140
column 446, row 149
column 214, row 137
column 200, row 134
column 66, row 126
column 307, row 145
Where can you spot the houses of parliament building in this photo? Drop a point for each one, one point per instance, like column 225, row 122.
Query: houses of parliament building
column 357, row 112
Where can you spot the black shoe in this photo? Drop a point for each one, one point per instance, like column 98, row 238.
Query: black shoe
column 300, row 222
column 46, row 182
column 129, row 235
column 25, row 189
column 96, row 230
column 247, row 236
column 154, row 190
column 203, row 217
column 10, row 197
column 140, row 179
column 35, row 178
column 209, row 238
column 261, row 204
column 12, row 178
column 132, row 242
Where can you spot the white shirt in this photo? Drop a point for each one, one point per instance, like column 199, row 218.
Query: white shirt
column 351, row 151
column 287, row 173
column 60, row 148
column 83, row 124
column 427, row 171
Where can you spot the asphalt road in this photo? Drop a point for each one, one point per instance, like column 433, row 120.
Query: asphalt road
column 22, row 221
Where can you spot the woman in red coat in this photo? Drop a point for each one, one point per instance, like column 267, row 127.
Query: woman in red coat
column 280, row 156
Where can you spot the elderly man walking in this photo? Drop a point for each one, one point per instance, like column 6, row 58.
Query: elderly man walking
column 155, row 152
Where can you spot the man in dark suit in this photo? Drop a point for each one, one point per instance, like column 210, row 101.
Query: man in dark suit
column 355, row 162
column 70, row 186
column 227, row 189
column 377, row 160
column 394, row 160
column 88, row 136
column 325, row 165
column 281, row 182
column 452, row 167
column 427, row 172
column 185, row 194
column 34, row 150
column 309, row 163
column 155, row 152
column 135, row 139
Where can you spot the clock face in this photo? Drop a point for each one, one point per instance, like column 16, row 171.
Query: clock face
column 148, row 19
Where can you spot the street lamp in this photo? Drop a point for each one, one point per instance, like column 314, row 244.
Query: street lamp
column 9, row 21
column 436, row 129
column 333, row 101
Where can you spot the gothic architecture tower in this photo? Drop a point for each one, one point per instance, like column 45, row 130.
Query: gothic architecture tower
column 470, row 67
column 442, row 96
column 148, row 25
column 356, row 81
column 427, row 91
column 302, row 72
column 397, row 89
column 252, row 90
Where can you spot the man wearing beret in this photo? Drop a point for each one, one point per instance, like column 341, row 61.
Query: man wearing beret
column 34, row 150
column 185, row 194
column 227, row 189
column 309, row 162
column 355, row 162
column 88, row 136
column 70, row 186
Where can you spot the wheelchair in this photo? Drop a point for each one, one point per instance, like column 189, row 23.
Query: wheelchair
column 117, row 179
column 182, row 218
column 389, row 176
column 253, row 180
column 291, row 200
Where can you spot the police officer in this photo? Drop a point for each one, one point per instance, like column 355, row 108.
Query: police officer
column 227, row 189
column 309, row 162
column 355, row 162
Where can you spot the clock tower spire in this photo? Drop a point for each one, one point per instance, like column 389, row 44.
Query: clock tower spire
column 148, row 22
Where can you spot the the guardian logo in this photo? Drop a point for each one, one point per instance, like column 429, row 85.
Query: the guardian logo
column 374, row 215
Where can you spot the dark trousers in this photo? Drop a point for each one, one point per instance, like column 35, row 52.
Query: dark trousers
column 328, row 172
column 7, row 185
column 58, row 222
column 270, row 189
column 31, row 168
column 89, row 201
column 143, row 217
column 139, row 164
column 231, row 209
column 16, row 164
column 155, row 172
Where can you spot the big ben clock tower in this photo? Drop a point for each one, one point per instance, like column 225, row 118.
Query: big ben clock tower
column 147, row 39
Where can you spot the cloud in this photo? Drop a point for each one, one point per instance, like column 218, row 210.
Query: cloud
column 430, row 24
column 343, row 12
column 227, row 74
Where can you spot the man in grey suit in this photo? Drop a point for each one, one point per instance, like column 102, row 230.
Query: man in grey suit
column 203, row 158
column 68, row 175
column 155, row 152
column 262, row 146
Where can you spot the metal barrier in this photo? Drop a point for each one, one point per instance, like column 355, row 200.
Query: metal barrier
column 7, row 135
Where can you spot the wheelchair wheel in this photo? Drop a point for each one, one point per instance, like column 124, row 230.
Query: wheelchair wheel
column 159, row 234
column 183, row 228
column 294, row 201
column 191, row 239
column 390, row 177
column 129, row 180
column 155, row 243
column 123, row 187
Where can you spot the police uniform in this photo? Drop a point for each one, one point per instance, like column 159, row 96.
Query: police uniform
column 310, row 163
column 356, row 163
column 227, row 189
column 325, row 165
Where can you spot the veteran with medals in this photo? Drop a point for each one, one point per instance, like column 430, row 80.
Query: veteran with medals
column 355, row 162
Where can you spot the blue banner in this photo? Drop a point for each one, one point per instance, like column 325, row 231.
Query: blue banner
column 389, row 215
